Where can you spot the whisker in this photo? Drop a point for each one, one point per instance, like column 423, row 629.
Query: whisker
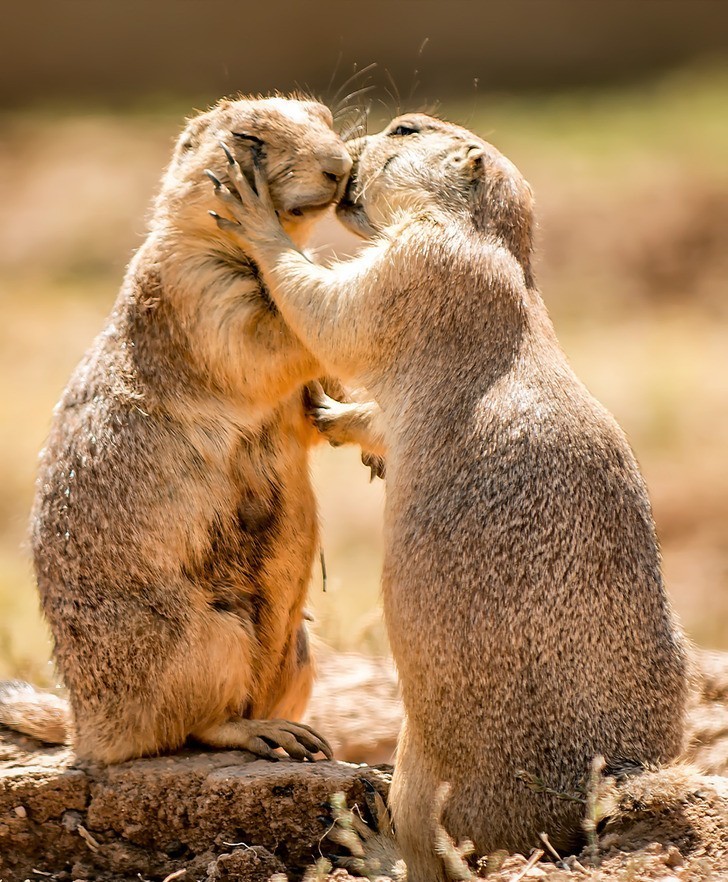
column 344, row 106
column 476, row 82
column 415, row 86
column 335, row 71
column 431, row 108
column 396, row 97
column 351, row 79
column 415, row 74
column 357, row 126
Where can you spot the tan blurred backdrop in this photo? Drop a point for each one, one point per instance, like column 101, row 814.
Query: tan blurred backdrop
column 616, row 112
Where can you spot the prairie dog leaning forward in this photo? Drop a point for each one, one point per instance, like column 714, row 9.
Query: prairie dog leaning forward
column 522, row 587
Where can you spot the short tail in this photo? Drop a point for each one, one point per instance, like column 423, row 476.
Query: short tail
column 42, row 715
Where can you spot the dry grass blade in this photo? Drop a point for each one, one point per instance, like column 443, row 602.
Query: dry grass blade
column 529, row 865
column 88, row 838
column 593, row 807
column 554, row 854
column 178, row 874
column 453, row 856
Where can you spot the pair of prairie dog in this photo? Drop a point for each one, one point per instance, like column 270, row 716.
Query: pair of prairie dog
column 522, row 587
column 174, row 525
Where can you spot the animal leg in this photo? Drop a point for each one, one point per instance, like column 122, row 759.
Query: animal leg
column 350, row 423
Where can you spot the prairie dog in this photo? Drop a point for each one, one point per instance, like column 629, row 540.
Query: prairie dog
column 174, row 524
column 522, row 588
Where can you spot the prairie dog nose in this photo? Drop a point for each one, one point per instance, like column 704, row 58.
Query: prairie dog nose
column 335, row 165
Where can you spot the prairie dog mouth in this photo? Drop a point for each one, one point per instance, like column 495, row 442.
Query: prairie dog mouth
column 293, row 209
column 351, row 212
column 354, row 217
column 318, row 200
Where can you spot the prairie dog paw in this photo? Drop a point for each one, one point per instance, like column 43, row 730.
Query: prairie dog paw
column 377, row 465
column 335, row 420
column 263, row 737
column 297, row 739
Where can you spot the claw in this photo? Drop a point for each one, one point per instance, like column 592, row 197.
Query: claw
column 223, row 223
column 215, row 181
column 226, row 151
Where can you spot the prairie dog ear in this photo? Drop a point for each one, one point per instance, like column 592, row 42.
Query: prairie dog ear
column 470, row 158
column 189, row 139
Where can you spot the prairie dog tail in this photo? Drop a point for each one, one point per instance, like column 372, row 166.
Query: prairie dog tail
column 43, row 715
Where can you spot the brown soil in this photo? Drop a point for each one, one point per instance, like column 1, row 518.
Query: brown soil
column 214, row 816
column 153, row 817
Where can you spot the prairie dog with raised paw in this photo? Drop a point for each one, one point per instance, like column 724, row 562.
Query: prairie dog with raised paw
column 522, row 588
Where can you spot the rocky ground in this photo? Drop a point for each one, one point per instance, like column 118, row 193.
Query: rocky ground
column 225, row 815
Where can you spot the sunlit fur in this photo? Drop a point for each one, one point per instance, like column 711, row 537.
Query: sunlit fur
column 174, row 525
column 522, row 587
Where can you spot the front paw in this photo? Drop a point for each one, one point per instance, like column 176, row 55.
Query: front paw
column 254, row 216
column 377, row 465
column 327, row 414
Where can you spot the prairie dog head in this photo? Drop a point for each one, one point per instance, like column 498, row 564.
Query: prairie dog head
column 418, row 163
column 305, row 160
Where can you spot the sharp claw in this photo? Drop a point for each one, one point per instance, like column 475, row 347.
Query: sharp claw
column 226, row 151
column 222, row 222
column 215, row 182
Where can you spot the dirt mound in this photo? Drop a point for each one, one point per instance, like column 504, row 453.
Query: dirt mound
column 215, row 816
column 198, row 812
column 668, row 825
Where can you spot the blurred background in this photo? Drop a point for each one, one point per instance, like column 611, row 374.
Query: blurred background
column 615, row 111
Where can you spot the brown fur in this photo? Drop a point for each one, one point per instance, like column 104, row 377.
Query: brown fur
column 522, row 587
column 174, row 525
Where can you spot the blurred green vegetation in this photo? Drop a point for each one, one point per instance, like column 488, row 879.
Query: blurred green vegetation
column 632, row 193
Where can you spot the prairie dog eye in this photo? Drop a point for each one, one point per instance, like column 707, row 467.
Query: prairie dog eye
column 404, row 130
column 252, row 140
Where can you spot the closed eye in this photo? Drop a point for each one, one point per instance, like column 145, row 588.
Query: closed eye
column 404, row 130
column 253, row 140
